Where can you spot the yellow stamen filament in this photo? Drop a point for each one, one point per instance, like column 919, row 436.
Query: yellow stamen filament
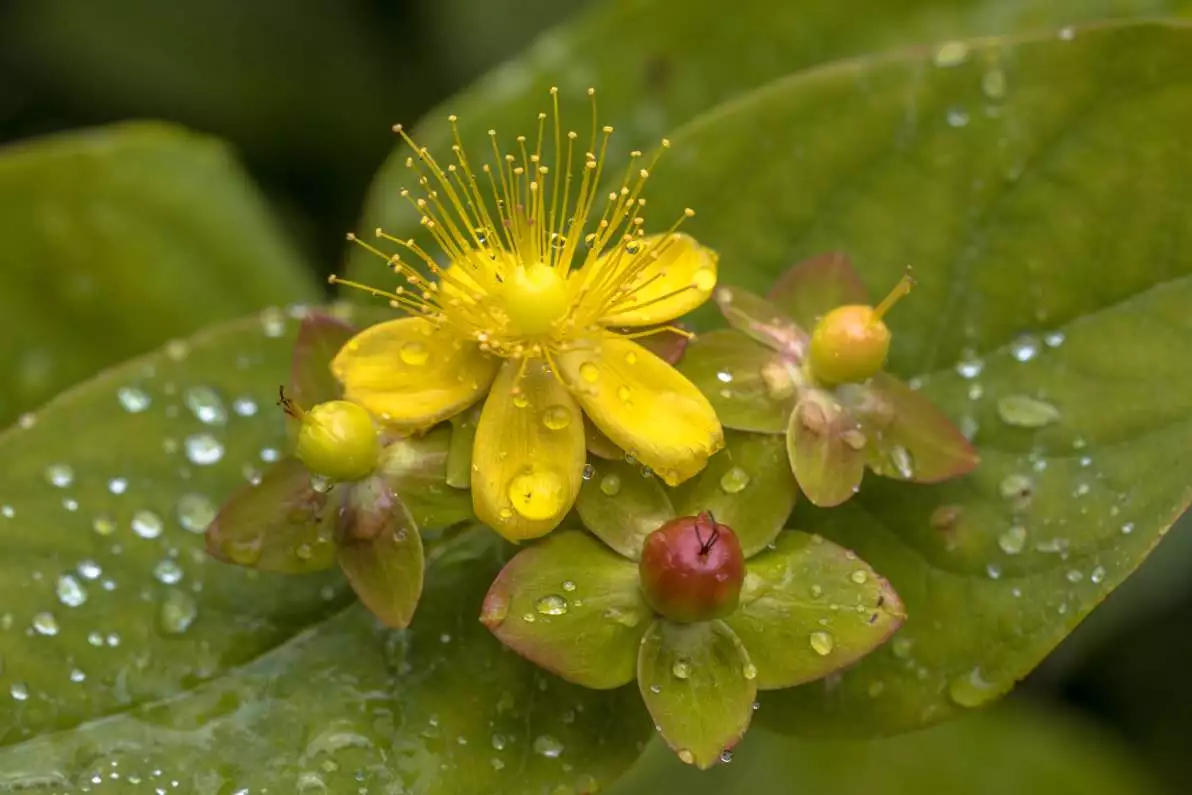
column 901, row 289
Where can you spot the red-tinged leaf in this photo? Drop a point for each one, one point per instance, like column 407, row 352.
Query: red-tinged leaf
column 751, row 387
column 600, row 445
column 380, row 551
column 920, row 443
column 281, row 524
column 319, row 338
column 815, row 286
column 573, row 606
column 763, row 321
column 665, row 344
column 826, row 448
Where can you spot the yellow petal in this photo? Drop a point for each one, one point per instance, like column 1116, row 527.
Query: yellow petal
column 412, row 374
column 644, row 405
column 677, row 275
column 528, row 457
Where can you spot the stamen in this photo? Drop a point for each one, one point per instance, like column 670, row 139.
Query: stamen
column 901, row 289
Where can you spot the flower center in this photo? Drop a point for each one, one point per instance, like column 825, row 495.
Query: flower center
column 534, row 298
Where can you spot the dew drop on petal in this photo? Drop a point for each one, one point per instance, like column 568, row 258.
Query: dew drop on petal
column 556, row 417
column 414, row 353
column 822, row 643
column 589, row 372
column 538, row 493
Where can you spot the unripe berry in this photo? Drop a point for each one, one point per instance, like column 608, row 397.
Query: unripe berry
column 692, row 569
column 850, row 343
column 337, row 439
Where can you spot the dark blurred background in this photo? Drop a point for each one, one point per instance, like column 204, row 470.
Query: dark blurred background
column 306, row 91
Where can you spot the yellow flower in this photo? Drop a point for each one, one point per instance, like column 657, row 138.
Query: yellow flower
column 537, row 281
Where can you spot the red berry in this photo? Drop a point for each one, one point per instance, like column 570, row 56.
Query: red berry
column 692, row 569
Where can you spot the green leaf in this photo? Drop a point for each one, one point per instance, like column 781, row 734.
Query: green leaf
column 459, row 455
column 279, row 524
column 699, row 685
column 573, row 606
column 763, row 322
column 812, row 288
column 747, row 486
column 622, row 505
column 916, row 441
column 826, row 448
column 417, row 469
column 750, row 386
column 235, row 675
column 810, row 607
column 379, row 548
column 1050, row 753
column 120, row 238
column 1085, row 310
column 668, row 68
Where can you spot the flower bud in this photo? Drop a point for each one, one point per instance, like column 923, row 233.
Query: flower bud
column 850, row 343
column 692, row 569
column 337, row 439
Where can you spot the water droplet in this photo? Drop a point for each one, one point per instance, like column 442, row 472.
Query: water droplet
column 538, row 493
column 901, row 647
column 177, row 613
column 589, row 372
column 7, row 511
column 273, row 322
column 726, row 756
column 1067, row 33
column 724, row 377
column 681, row 669
column 195, row 512
column 859, row 576
column 167, row 571
column 734, row 480
column 1128, row 528
column 146, row 524
column 60, row 475
column 205, row 403
column 1097, row 575
column 822, row 643
column 1074, row 576
column 44, row 623
column 993, row 83
column 957, row 117
column 1026, row 412
column 244, row 406
column 993, row 571
column 18, row 691
column 203, row 449
column 749, row 671
column 1016, row 487
column 89, row 570
column 70, row 592
column 104, row 524
column 133, row 399
column 686, row 757
column 568, row 586
column 118, row 485
column 630, row 358
column 321, row 483
column 1054, row 339
column 970, row 365
column 624, row 394
column 902, row 461
column 971, row 689
column 77, row 676
column 520, row 400
column 1024, row 347
column 952, row 53
column 1012, row 541
column 556, row 417
column 588, row 472
column 610, row 485
column 548, row 746
column 551, row 605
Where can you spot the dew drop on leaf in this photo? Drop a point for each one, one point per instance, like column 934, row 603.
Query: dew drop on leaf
column 822, row 643
column 178, row 611
column 734, row 480
column 195, row 512
column 610, row 485
column 44, row 623
column 203, row 449
column 133, row 399
column 1013, row 540
column 70, row 591
column 548, row 746
column 1024, row 347
column 971, row 689
column 551, row 605
column 1022, row 411
column 146, row 524
column 205, row 403
column 60, row 475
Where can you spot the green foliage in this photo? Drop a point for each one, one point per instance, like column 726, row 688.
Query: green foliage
column 136, row 233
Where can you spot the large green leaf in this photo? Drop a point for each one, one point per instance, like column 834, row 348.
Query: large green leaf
column 1007, row 750
column 1041, row 208
column 119, row 238
column 127, row 650
column 655, row 68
